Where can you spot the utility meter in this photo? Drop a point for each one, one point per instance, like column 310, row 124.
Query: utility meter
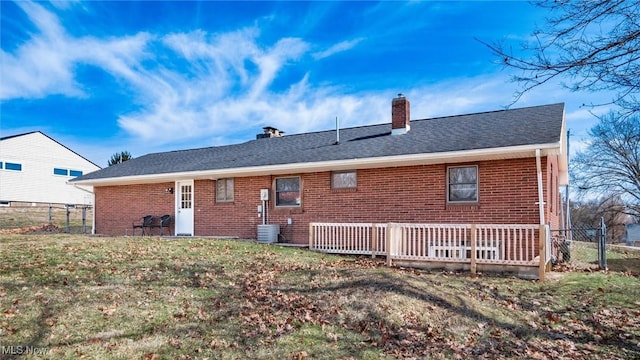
column 264, row 194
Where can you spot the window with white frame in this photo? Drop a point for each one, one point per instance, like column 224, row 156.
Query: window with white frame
column 344, row 179
column 462, row 184
column 61, row 172
column 66, row 172
column 224, row 190
column 12, row 166
column 288, row 191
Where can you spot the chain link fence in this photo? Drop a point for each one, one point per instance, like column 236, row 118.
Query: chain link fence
column 585, row 245
column 73, row 219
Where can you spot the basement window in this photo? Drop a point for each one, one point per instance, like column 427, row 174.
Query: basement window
column 344, row 179
column 462, row 184
column 224, row 190
column 288, row 191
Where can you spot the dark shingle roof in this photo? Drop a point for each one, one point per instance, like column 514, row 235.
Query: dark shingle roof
column 496, row 129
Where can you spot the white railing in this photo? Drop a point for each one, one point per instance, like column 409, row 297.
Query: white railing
column 503, row 244
column 351, row 238
column 516, row 244
column 444, row 242
column 548, row 244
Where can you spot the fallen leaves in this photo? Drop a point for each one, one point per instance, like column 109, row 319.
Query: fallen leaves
column 36, row 229
column 207, row 298
column 108, row 310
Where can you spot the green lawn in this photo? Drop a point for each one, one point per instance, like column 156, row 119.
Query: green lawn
column 72, row 296
column 619, row 258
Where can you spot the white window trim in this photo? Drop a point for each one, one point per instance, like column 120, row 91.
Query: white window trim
column 60, row 175
column 4, row 166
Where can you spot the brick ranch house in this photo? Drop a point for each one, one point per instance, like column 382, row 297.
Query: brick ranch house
column 490, row 167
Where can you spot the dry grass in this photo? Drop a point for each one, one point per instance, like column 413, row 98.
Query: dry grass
column 12, row 218
column 79, row 296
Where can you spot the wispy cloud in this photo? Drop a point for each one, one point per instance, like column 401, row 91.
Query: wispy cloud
column 201, row 88
column 337, row 48
column 45, row 64
column 38, row 69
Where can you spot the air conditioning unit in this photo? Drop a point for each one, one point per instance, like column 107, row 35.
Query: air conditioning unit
column 264, row 194
column 268, row 233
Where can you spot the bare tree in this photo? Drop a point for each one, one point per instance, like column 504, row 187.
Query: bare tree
column 588, row 214
column 120, row 157
column 610, row 165
column 594, row 45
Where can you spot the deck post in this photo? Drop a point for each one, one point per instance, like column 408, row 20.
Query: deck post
column 473, row 250
column 374, row 240
column 543, row 252
column 389, row 242
column 311, row 236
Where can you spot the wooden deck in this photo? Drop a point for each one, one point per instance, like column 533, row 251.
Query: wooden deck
column 522, row 248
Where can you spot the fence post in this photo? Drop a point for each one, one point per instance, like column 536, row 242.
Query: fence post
column 50, row 214
column 542, row 237
column 311, row 236
column 389, row 242
column 602, row 245
column 473, row 250
column 68, row 221
column 84, row 219
column 374, row 240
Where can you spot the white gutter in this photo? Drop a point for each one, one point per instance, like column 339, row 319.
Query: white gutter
column 540, row 192
column 511, row 152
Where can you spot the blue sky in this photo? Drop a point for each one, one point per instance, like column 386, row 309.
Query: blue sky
column 101, row 77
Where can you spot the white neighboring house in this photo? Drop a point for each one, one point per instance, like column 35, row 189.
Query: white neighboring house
column 35, row 168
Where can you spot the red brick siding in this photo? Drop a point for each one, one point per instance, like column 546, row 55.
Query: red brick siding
column 552, row 194
column 117, row 207
column 507, row 195
column 237, row 218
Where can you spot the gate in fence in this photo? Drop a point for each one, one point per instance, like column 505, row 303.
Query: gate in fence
column 596, row 235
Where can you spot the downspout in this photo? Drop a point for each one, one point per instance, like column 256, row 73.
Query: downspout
column 93, row 213
column 568, row 224
column 540, row 192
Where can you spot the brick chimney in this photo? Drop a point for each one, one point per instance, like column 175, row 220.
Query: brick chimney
column 400, row 120
column 269, row 132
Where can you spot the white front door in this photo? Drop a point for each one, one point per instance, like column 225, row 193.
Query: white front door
column 184, row 208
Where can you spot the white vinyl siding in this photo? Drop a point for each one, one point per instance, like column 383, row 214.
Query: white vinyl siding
column 35, row 154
